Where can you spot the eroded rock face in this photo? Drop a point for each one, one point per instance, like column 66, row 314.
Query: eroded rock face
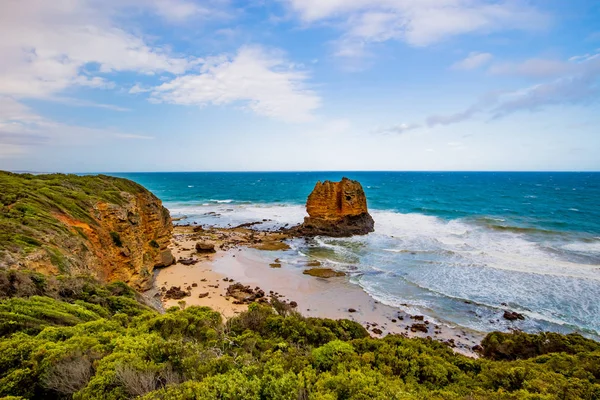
column 337, row 209
column 143, row 227
column 121, row 237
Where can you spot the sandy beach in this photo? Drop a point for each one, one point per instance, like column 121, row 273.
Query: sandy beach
column 207, row 281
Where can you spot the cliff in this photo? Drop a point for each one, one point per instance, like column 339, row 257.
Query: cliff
column 110, row 228
column 337, row 209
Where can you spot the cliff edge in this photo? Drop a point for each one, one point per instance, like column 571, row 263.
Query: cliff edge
column 337, row 209
column 110, row 228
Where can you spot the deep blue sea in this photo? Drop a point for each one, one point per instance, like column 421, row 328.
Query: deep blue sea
column 460, row 247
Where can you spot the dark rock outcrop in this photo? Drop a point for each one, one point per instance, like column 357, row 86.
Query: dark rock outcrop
column 176, row 293
column 419, row 328
column 337, row 209
column 244, row 294
column 188, row 261
column 513, row 316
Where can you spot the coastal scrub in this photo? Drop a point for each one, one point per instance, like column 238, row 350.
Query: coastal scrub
column 73, row 338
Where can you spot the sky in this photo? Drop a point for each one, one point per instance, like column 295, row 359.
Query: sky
column 310, row 85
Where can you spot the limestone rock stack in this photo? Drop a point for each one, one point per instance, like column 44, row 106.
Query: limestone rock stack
column 337, row 209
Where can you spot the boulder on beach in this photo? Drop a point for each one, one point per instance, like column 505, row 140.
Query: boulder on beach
column 205, row 247
column 188, row 261
column 244, row 294
column 419, row 328
column 337, row 209
column 166, row 259
column 176, row 293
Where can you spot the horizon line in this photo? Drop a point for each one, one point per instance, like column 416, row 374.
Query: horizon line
column 299, row 171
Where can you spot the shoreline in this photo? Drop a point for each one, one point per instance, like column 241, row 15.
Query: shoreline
column 241, row 258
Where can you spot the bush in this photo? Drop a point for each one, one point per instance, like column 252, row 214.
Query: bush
column 87, row 341
column 332, row 353
column 69, row 375
column 520, row 345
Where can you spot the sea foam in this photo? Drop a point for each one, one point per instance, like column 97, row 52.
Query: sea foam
column 459, row 271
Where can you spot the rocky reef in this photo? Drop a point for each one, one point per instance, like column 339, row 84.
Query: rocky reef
column 110, row 228
column 337, row 209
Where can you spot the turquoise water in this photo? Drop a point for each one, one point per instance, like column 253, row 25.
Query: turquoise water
column 459, row 247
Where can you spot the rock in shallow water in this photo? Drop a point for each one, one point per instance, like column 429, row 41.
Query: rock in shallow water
column 322, row 272
column 337, row 209
column 513, row 315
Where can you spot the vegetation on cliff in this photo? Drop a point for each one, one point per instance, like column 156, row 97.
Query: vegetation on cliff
column 69, row 337
column 109, row 227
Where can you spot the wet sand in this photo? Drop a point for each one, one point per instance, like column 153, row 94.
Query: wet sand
column 333, row 298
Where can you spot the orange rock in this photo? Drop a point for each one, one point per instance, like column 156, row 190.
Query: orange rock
column 337, row 209
column 334, row 200
column 121, row 241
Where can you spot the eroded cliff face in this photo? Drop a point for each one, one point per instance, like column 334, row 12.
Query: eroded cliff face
column 337, row 209
column 112, row 234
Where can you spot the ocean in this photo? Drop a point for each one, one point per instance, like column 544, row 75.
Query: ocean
column 459, row 247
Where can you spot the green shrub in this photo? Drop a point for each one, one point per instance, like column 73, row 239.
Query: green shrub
column 332, row 353
column 69, row 337
column 521, row 345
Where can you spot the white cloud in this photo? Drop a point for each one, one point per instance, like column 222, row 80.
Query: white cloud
column 11, row 111
column 397, row 129
column 22, row 130
column 86, row 103
column 262, row 81
column 473, row 61
column 574, row 82
column 137, row 88
column 534, row 68
column 49, row 46
column 585, row 57
column 177, row 10
column 435, row 120
column 418, row 23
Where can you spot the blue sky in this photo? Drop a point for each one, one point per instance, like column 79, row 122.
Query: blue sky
column 190, row 85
